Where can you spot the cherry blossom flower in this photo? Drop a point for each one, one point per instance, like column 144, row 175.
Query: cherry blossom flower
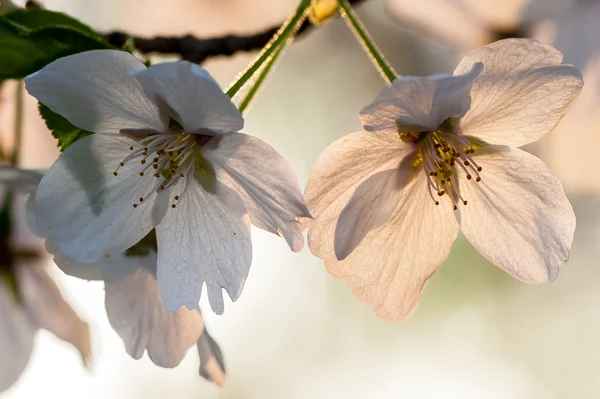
column 30, row 299
column 136, row 312
column 569, row 25
column 441, row 152
column 133, row 303
column 166, row 155
column 34, row 303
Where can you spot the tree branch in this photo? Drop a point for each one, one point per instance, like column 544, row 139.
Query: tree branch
column 193, row 49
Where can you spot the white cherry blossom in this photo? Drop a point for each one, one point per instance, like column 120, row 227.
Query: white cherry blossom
column 441, row 152
column 136, row 312
column 30, row 298
column 133, row 303
column 167, row 155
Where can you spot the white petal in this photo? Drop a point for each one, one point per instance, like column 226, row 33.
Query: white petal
column 419, row 104
column 95, row 92
column 30, row 216
column 392, row 264
column 25, row 181
column 522, row 93
column 264, row 180
column 48, row 309
column 212, row 365
column 205, row 239
column 518, row 216
column 108, row 269
column 338, row 171
column 136, row 312
column 194, row 98
column 16, row 337
column 85, row 209
column 371, row 205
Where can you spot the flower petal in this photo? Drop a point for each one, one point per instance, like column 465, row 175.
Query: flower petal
column 136, row 312
column 206, row 238
column 392, row 264
column 195, row 99
column 16, row 337
column 264, row 180
column 522, row 93
column 415, row 103
column 48, row 309
column 108, row 269
column 338, row 171
column 85, row 209
column 371, row 205
column 212, row 364
column 95, row 92
column 518, row 216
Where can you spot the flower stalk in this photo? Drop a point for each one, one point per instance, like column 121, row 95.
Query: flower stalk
column 286, row 31
column 384, row 67
column 260, row 76
column 18, row 124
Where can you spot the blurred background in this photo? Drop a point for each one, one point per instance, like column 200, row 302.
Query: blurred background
column 297, row 332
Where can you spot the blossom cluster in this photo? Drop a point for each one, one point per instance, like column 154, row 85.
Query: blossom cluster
column 383, row 205
column 159, row 201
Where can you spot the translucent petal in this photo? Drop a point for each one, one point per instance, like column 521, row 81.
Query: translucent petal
column 518, row 215
column 48, row 309
column 371, row 205
column 522, row 93
column 419, row 104
column 338, row 171
column 392, row 263
column 86, row 210
column 192, row 96
column 264, row 180
column 137, row 313
column 95, row 92
column 206, row 238
column 16, row 338
column 212, row 364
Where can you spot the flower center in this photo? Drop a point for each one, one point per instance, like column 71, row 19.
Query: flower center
column 443, row 154
column 169, row 157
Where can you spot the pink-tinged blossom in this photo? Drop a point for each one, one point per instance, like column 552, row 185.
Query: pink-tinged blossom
column 440, row 153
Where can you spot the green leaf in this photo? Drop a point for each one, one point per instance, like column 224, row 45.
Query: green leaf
column 61, row 128
column 19, row 55
column 31, row 39
column 38, row 19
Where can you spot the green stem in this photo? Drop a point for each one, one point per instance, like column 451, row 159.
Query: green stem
column 284, row 33
column 363, row 36
column 268, row 66
column 260, row 79
column 14, row 160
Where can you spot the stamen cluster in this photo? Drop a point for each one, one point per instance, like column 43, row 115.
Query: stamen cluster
column 441, row 152
column 170, row 157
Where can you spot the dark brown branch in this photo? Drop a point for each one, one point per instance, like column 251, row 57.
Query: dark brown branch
column 198, row 50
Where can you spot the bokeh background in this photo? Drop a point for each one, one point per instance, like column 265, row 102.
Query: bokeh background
column 297, row 332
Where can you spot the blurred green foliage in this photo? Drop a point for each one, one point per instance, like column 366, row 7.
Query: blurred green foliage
column 63, row 130
column 30, row 39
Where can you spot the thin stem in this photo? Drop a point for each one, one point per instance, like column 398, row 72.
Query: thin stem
column 365, row 40
column 278, row 39
column 266, row 69
column 245, row 103
column 14, row 160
